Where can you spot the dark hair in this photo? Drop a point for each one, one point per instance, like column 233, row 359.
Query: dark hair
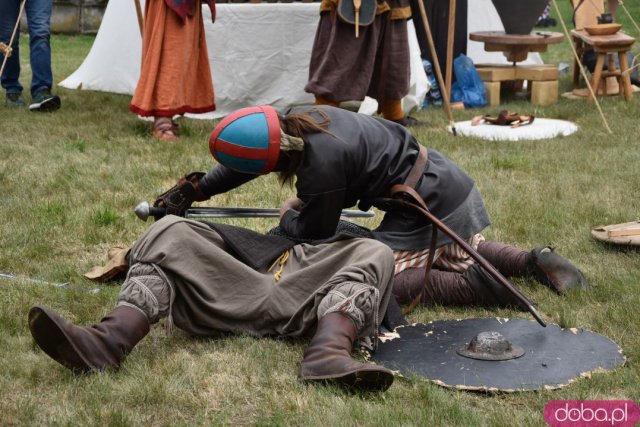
column 297, row 124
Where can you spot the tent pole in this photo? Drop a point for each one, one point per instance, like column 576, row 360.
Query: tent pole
column 450, row 32
column 139, row 14
column 579, row 63
column 436, row 66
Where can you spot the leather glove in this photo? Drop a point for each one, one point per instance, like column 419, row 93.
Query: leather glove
column 179, row 198
column 291, row 203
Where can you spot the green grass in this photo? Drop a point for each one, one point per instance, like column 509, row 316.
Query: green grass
column 69, row 182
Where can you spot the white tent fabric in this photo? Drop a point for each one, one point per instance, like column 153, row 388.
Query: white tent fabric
column 259, row 54
column 483, row 16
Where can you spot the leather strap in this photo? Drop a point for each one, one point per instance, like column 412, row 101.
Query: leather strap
column 417, row 170
column 400, row 191
column 406, row 197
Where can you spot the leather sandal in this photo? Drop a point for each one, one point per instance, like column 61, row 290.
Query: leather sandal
column 165, row 129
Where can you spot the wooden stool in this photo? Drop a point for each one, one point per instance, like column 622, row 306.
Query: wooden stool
column 542, row 81
column 609, row 45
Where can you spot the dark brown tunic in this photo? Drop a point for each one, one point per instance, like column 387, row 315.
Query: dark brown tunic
column 376, row 64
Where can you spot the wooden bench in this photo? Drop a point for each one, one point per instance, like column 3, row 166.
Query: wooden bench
column 542, row 81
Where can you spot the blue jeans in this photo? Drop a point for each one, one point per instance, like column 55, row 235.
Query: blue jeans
column 38, row 18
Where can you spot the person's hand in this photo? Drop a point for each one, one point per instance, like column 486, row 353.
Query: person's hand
column 291, row 203
column 179, row 198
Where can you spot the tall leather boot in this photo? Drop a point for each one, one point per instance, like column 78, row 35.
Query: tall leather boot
column 473, row 287
column 328, row 357
column 94, row 348
column 488, row 291
column 507, row 259
column 444, row 287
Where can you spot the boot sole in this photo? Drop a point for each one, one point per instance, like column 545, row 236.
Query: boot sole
column 362, row 379
column 51, row 338
column 49, row 104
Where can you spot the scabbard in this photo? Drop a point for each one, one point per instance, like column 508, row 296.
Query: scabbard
column 406, row 197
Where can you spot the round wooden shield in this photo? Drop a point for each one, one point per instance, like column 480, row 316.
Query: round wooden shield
column 619, row 234
column 553, row 356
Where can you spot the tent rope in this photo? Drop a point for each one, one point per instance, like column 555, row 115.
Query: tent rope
column 635, row 24
column 582, row 70
column 15, row 30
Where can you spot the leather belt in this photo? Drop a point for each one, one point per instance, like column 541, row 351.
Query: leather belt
column 417, row 170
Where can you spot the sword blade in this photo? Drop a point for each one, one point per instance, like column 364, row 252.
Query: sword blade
column 217, row 212
column 64, row 285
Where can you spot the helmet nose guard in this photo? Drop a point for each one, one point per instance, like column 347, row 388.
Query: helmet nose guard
column 248, row 140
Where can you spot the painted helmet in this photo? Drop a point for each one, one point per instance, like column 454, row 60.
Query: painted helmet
column 248, row 140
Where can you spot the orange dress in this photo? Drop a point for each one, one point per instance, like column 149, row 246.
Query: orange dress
column 175, row 77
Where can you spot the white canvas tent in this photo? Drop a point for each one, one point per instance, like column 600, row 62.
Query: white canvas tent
column 259, row 53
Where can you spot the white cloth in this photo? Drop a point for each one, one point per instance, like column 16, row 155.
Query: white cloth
column 539, row 129
column 259, row 54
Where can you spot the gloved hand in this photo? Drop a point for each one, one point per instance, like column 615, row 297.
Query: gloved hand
column 291, row 203
column 179, row 198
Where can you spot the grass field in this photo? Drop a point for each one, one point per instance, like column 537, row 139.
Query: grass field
column 69, row 182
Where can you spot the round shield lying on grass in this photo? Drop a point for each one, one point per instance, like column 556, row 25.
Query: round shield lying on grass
column 619, row 234
column 539, row 129
column 552, row 357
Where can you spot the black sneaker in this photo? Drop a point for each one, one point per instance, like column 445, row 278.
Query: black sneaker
column 14, row 100
column 44, row 101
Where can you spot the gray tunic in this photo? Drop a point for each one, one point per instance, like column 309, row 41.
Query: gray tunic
column 357, row 160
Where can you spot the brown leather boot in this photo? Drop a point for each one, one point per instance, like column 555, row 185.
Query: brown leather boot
column 328, row 357
column 555, row 271
column 94, row 348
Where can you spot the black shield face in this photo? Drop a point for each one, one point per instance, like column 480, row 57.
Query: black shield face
column 552, row 358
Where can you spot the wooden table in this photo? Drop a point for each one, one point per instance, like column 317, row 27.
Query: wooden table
column 516, row 47
column 543, row 79
column 618, row 43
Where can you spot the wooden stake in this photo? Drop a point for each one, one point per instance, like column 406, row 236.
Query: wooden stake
column 436, row 66
column 450, row 38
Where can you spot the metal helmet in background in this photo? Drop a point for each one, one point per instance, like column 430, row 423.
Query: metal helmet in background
column 248, row 140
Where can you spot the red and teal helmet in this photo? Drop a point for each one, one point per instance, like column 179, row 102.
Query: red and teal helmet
column 248, row 140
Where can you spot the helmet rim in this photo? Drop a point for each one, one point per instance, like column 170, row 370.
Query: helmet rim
column 251, row 144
